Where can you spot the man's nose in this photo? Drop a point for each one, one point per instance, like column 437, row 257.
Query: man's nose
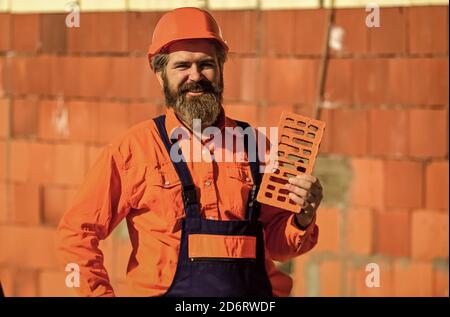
column 194, row 73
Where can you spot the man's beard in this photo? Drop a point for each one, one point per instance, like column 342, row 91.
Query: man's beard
column 205, row 107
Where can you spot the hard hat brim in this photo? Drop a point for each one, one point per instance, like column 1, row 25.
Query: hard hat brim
column 158, row 48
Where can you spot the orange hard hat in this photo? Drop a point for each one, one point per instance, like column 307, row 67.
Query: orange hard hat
column 184, row 24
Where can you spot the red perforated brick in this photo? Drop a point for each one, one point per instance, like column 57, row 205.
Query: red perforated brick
column 339, row 75
column 52, row 284
column 236, row 25
column 305, row 21
column 28, row 247
column 244, row 111
column 359, row 230
column 56, row 200
column 429, row 235
column 268, row 117
column 298, row 144
column 24, row 117
column 367, row 171
column 299, row 287
column 436, row 181
column 352, row 21
column 413, row 278
column 25, row 32
column 18, row 281
column 142, row 82
column 329, row 281
column 329, row 220
column 140, row 29
column 4, row 206
column 391, row 36
column 25, row 211
column 5, row 26
column 114, row 120
column 233, row 79
column 93, row 153
column 242, row 79
column 53, row 32
column 440, row 283
column 99, row 32
column 428, row 29
column 3, row 154
column 349, row 124
column 3, row 87
column 287, row 86
column 4, row 117
column 138, row 112
column 276, row 39
column 392, row 242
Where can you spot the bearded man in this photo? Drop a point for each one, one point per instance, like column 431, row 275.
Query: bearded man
column 195, row 226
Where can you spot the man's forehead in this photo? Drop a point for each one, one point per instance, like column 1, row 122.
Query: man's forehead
column 191, row 49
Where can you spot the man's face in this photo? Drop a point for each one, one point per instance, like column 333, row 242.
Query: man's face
column 192, row 81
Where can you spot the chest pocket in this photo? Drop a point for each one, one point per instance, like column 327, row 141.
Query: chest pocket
column 239, row 184
column 164, row 192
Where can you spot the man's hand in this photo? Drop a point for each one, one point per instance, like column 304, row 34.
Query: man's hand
column 306, row 191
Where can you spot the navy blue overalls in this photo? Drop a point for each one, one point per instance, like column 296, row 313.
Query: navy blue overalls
column 222, row 277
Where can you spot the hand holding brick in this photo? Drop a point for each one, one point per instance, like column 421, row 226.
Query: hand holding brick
column 298, row 144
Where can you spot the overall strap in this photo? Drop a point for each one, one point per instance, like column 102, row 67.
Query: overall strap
column 189, row 194
column 253, row 207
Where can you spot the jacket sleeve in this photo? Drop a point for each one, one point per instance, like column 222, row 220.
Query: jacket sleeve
column 284, row 239
column 97, row 209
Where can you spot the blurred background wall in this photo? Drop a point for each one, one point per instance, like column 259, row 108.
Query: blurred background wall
column 65, row 92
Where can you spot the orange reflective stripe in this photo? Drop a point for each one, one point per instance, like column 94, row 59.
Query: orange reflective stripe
column 221, row 246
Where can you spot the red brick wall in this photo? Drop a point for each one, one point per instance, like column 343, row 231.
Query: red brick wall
column 64, row 93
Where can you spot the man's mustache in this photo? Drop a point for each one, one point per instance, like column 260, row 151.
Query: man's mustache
column 199, row 86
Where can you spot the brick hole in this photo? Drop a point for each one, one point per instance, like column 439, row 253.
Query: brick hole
column 295, row 131
column 311, row 135
column 303, row 142
column 290, row 148
column 301, row 169
column 301, row 123
column 281, row 198
column 296, row 158
column 287, row 165
column 288, row 175
column 271, row 187
column 278, row 180
column 268, row 195
column 313, row 128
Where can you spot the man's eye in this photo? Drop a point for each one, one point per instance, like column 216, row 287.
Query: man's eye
column 208, row 65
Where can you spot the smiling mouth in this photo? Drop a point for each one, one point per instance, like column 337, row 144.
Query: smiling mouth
column 195, row 93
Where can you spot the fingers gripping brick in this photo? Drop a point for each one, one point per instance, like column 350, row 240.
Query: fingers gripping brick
column 298, row 144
